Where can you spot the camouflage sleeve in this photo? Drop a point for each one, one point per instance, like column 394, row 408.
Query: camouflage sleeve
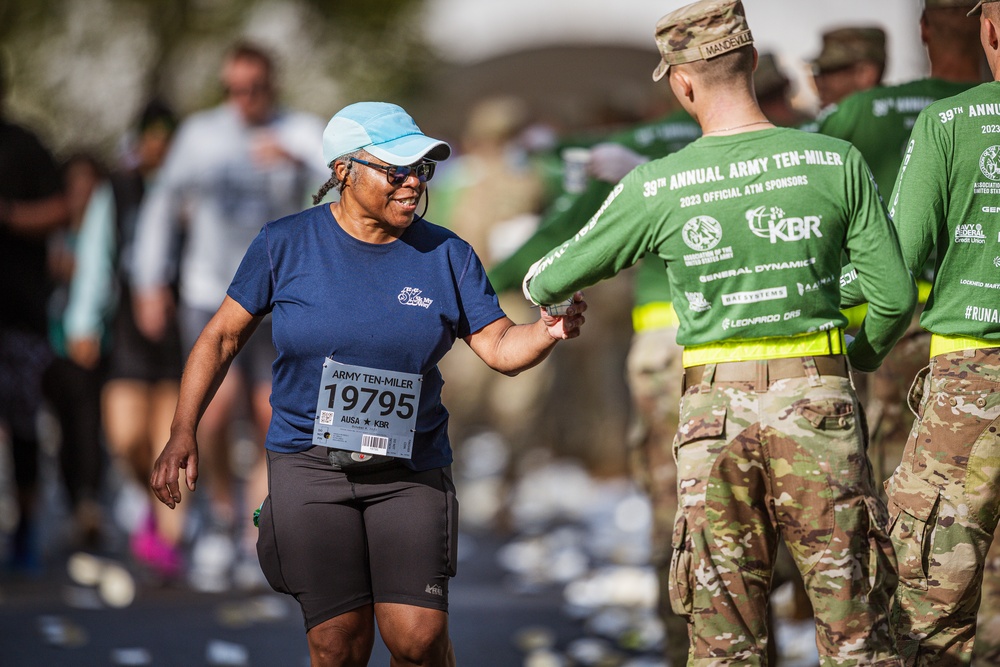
column 879, row 270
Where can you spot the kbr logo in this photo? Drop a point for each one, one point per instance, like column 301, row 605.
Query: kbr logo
column 702, row 233
column 771, row 223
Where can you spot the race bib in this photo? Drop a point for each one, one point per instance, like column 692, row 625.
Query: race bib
column 367, row 410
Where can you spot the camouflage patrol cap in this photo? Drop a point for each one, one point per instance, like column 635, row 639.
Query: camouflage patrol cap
column 979, row 6
column 700, row 31
column 846, row 46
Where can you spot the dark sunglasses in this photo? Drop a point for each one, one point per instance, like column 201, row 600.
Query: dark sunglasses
column 396, row 174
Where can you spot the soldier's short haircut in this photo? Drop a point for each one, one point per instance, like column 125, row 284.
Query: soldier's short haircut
column 953, row 24
column 729, row 67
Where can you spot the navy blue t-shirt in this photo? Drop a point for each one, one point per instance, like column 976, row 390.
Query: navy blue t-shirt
column 397, row 306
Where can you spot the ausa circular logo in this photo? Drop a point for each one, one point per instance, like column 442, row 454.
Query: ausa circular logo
column 702, row 233
column 989, row 163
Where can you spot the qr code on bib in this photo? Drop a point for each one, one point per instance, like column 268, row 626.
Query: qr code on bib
column 326, row 417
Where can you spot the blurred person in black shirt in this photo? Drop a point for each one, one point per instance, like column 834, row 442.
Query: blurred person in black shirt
column 32, row 206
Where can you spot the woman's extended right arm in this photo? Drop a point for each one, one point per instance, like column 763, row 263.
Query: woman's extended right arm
column 206, row 367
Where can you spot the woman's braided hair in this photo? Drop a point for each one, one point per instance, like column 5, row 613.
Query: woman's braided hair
column 333, row 181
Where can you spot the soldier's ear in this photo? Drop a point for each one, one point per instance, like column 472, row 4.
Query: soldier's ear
column 991, row 32
column 682, row 84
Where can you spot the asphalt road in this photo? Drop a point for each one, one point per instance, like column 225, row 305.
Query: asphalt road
column 49, row 620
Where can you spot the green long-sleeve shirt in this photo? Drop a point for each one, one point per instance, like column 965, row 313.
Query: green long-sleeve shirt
column 947, row 199
column 751, row 228
column 878, row 122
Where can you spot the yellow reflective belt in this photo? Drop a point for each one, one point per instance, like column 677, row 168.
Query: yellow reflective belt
column 855, row 315
column 779, row 347
column 944, row 344
column 655, row 315
column 923, row 291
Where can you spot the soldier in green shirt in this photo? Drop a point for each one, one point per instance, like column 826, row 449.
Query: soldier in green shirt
column 944, row 498
column 852, row 59
column 750, row 222
column 878, row 122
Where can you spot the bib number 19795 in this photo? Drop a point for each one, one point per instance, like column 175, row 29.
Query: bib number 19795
column 367, row 410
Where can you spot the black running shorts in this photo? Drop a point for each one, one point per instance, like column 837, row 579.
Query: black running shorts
column 337, row 541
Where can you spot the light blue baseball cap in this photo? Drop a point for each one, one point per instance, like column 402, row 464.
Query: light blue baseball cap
column 384, row 130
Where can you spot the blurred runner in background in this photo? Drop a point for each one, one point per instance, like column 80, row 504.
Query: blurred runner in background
column 230, row 169
column 32, row 207
column 72, row 383
column 143, row 374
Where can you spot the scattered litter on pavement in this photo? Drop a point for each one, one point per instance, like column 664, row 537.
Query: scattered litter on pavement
column 646, row 661
column 544, row 658
column 590, row 538
column 131, row 657
column 82, row 597
column 261, row 609
column 593, row 652
column 219, row 653
column 534, row 638
column 212, row 557
column 797, row 641
column 115, row 585
column 84, row 568
column 62, row 632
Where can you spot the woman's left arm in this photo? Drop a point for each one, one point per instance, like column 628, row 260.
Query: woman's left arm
column 511, row 348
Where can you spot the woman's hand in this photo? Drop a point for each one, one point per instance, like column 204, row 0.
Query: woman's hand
column 564, row 327
column 179, row 453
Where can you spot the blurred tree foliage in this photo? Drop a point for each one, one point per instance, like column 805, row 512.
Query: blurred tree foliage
column 80, row 69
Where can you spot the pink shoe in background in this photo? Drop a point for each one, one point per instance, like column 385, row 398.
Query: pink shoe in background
column 150, row 550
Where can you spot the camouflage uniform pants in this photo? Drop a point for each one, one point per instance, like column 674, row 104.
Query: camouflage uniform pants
column 654, row 377
column 889, row 418
column 943, row 504
column 769, row 460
